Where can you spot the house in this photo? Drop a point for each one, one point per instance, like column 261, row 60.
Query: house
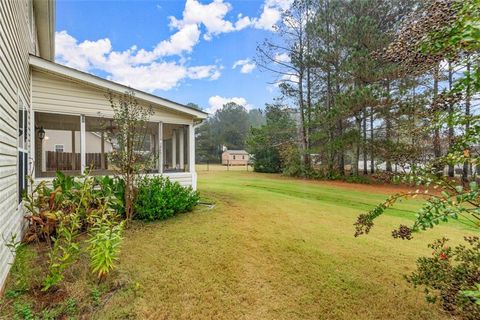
column 235, row 158
column 57, row 118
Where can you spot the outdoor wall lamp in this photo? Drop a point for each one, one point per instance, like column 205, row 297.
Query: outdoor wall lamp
column 41, row 132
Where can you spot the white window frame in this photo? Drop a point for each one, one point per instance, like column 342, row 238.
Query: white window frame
column 22, row 145
column 59, row 146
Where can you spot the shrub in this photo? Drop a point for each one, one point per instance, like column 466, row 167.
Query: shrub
column 450, row 277
column 159, row 198
column 359, row 179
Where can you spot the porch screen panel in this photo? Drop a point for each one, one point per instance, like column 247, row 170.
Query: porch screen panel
column 57, row 144
column 175, row 148
column 99, row 145
column 102, row 143
column 150, row 146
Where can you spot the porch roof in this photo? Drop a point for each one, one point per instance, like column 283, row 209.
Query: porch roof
column 44, row 65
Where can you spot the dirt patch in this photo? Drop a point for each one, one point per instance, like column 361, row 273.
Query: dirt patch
column 375, row 188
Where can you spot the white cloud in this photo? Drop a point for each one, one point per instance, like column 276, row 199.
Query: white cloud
column 217, row 102
column 144, row 70
column 287, row 78
column 282, row 57
column 242, row 22
column 271, row 14
column 246, row 66
column 147, row 69
column 211, row 15
column 202, row 72
column 80, row 56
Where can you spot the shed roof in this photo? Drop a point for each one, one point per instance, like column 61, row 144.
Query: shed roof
column 237, row 152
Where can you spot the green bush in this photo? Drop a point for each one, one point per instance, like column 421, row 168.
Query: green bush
column 158, row 198
column 451, row 277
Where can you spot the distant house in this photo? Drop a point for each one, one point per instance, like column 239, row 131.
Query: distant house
column 235, row 158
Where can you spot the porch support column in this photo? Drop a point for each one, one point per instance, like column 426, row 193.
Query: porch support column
column 73, row 150
column 102, row 150
column 83, row 156
column 174, row 149
column 160, row 147
column 181, row 150
column 191, row 154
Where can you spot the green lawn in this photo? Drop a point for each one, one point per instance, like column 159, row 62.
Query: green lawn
column 273, row 248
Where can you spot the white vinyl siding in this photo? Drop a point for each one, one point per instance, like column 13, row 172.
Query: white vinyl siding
column 183, row 178
column 54, row 94
column 15, row 46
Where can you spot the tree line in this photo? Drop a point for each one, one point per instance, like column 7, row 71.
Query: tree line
column 227, row 128
column 343, row 71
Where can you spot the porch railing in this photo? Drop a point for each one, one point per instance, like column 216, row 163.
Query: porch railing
column 66, row 161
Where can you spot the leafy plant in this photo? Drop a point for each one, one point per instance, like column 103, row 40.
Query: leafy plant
column 60, row 215
column 104, row 242
column 64, row 251
column 70, row 306
column 114, row 189
column 96, row 294
column 23, row 311
column 473, row 294
column 450, row 276
column 41, row 207
column 159, row 198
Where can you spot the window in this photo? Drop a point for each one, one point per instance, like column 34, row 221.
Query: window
column 234, row 157
column 22, row 149
column 59, row 148
column 243, row 157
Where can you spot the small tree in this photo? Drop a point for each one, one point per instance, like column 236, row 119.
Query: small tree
column 128, row 133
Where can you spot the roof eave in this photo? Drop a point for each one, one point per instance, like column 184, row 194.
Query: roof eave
column 44, row 11
column 48, row 66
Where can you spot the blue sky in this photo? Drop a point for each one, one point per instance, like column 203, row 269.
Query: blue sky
column 197, row 51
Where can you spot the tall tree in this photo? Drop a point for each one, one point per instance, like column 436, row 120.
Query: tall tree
column 289, row 59
column 266, row 142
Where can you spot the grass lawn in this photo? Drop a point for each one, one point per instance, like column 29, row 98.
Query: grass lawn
column 274, row 248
